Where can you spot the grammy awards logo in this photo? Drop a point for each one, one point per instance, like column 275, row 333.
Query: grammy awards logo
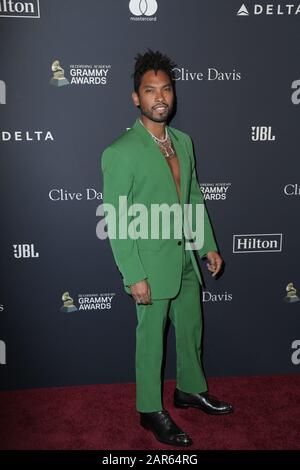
column 58, row 78
column 143, row 7
column 2, row 92
column 243, row 11
column 68, row 305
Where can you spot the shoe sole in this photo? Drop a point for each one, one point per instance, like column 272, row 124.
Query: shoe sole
column 215, row 413
column 166, row 442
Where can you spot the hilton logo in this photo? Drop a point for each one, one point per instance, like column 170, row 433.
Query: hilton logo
column 25, row 251
column 20, row 9
column 257, row 243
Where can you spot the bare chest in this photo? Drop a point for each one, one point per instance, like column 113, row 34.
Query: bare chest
column 175, row 171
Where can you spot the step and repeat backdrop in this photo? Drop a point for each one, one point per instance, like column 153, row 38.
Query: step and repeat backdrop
column 65, row 94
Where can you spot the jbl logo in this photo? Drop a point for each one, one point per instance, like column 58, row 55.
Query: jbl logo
column 25, row 251
column 262, row 133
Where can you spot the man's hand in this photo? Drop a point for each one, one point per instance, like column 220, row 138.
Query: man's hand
column 214, row 262
column 141, row 292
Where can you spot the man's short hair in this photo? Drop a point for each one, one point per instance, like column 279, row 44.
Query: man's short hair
column 151, row 60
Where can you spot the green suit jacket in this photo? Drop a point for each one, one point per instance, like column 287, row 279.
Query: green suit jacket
column 133, row 166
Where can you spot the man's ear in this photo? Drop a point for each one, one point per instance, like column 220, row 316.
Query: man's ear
column 135, row 98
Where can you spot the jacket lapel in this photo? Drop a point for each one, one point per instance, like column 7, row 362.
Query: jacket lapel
column 160, row 160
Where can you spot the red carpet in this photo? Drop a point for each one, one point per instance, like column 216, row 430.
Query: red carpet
column 267, row 416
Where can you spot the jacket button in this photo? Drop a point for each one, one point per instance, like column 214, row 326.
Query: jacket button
column 179, row 243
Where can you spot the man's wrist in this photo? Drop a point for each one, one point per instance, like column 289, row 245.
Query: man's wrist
column 209, row 251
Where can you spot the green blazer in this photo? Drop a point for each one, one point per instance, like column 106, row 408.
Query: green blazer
column 133, row 166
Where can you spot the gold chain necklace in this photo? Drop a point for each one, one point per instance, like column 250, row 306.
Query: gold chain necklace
column 165, row 144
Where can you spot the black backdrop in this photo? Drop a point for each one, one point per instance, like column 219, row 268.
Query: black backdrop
column 238, row 97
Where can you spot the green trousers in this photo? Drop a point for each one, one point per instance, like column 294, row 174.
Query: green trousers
column 186, row 316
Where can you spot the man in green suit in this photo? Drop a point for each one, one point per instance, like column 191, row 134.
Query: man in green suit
column 152, row 165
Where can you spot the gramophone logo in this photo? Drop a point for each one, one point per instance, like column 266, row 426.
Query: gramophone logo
column 143, row 7
column 243, row 11
column 58, row 78
column 68, row 305
column 291, row 294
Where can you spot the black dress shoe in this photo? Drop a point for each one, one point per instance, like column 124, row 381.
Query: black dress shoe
column 164, row 428
column 203, row 401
